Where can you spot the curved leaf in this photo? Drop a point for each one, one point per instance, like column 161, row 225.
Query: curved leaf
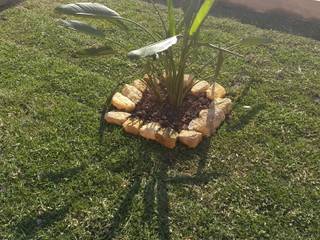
column 81, row 27
column 201, row 15
column 153, row 49
column 171, row 18
column 88, row 9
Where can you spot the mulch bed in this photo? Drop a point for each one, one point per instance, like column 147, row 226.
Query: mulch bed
column 150, row 110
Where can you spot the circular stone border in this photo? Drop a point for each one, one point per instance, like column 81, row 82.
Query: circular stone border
column 205, row 125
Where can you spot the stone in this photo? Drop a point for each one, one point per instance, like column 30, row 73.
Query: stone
column 216, row 91
column 140, row 85
column 225, row 104
column 115, row 117
column 209, row 120
column 149, row 130
column 188, row 80
column 132, row 93
column 167, row 137
column 190, row 138
column 200, row 87
column 122, row 102
column 132, row 125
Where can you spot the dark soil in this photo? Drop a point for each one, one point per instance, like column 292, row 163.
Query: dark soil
column 150, row 110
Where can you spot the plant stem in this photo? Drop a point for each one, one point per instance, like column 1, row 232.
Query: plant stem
column 141, row 27
column 221, row 49
column 160, row 17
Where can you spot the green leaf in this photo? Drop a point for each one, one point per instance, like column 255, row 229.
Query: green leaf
column 171, row 18
column 189, row 10
column 201, row 15
column 96, row 51
column 81, row 27
column 153, row 49
column 96, row 10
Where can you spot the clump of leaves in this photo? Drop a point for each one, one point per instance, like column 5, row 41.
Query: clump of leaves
column 161, row 54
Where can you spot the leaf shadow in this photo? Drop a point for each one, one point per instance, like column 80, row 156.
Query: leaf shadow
column 246, row 118
column 29, row 226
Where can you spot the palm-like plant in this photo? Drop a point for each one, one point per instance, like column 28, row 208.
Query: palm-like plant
column 160, row 55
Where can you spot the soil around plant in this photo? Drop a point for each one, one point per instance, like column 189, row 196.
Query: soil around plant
column 150, row 110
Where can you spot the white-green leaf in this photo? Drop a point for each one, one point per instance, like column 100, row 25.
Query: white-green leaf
column 153, row 49
column 171, row 18
column 81, row 27
column 88, row 9
column 201, row 15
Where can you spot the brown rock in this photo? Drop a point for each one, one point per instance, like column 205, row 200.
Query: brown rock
column 132, row 93
column 132, row 126
column 117, row 118
column 200, row 87
column 208, row 122
column 122, row 102
column 216, row 91
column 149, row 130
column 167, row 137
column 190, row 138
column 140, row 85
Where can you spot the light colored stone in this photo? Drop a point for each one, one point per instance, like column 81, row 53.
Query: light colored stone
column 167, row 137
column 149, row 130
column 122, row 102
column 132, row 126
column 200, row 87
column 225, row 104
column 132, row 93
column 190, row 138
column 140, row 85
column 188, row 80
column 216, row 91
column 117, row 118
column 208, row 122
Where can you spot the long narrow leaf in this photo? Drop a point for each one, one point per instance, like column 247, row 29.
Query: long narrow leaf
column 88, row 9
column 153, row 49
column 171, row 18
column 201, row 15
column 189, row 11
column 221, row 49
column 81, row 27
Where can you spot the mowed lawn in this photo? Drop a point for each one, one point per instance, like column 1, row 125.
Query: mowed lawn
column 258, row 178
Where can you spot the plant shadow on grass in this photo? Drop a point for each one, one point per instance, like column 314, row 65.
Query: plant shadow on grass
column 151, row 167
column 29, row 226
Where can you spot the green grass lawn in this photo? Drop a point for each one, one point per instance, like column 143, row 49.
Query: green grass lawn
column 258, row 178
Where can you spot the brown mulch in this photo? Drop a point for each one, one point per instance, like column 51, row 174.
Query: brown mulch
column 150, row 110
